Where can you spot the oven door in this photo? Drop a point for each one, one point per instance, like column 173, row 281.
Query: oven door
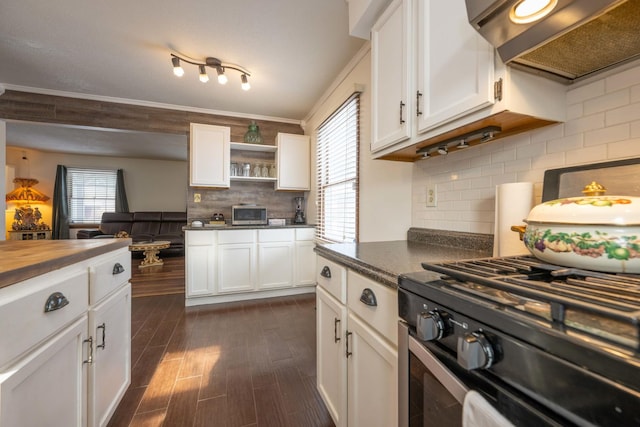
column 429, row 393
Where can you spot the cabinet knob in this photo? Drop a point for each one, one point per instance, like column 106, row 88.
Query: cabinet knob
column 326, row 272
column 56, row 301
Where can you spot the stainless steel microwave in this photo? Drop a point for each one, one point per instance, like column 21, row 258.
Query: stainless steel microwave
column 248, row 215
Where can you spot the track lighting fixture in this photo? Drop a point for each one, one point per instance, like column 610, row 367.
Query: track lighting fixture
column 468, row 139
column 443, row 150
column 219, row 66
column 463, row 144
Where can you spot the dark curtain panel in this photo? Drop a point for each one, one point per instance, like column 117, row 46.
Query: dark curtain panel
column 60, row 227
column 122, row 205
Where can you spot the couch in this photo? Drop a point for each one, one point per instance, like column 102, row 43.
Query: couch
column 141, row 226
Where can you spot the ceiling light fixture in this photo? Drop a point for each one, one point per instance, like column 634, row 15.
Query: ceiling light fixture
column 220, row 67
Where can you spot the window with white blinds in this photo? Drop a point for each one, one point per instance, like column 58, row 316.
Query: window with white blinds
column 338, row 140
column 90, row 192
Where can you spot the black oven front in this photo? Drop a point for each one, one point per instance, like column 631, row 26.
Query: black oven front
column 433, row 384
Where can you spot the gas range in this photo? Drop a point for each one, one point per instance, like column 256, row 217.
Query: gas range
column 567, row 339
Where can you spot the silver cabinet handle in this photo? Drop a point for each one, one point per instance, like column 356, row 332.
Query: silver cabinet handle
column 347, row 352
column 368, row 298
column 326, row 272
column 104, row 332
column 336, row 322
column 56, row 301
column 117, row 268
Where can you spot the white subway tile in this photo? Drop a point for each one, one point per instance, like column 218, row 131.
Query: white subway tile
column 471, row 173
column 517, row 165
column 605, row 135
column 484, row 159
column 548, row 161
column 624, row 114
column 506, row 155
column 548, row 132
column 531, row 150
column 586, row 155
column 575, row 111
column 606, row 102
column 635, row 94
column 585, row 123
column 503, row 179
column 482, row 182
column 563, row 144
column 493, row 169
column 581, row 94
column 462, row 184
column 624, row 149
column 635, row 129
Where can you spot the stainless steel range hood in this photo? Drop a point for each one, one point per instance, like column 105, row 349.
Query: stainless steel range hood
column 577, row 39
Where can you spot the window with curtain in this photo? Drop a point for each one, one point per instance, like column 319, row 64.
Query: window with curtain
column 90, row 192
column 338, row 140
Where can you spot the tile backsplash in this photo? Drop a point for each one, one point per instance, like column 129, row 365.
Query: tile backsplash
column 603, row 123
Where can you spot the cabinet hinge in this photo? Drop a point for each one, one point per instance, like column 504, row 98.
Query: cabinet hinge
column 497, row 90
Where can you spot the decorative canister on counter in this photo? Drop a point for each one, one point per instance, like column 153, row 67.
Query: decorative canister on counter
column 253, row 135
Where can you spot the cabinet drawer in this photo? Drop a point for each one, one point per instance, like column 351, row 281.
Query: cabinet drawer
column 305, row 233
column 22, row 309
column 278, row 235
column 108, row 274
column 201, row 238
column 236, row 236
column 384, row 316
column 336, row 284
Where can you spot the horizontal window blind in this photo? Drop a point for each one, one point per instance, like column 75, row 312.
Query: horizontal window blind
column 91, row 192
column 338, row 140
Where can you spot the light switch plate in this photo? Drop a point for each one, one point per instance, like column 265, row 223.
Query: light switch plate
column 431, row 196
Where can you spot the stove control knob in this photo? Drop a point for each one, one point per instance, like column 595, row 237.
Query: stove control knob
column 475, row 351
column 430, row 326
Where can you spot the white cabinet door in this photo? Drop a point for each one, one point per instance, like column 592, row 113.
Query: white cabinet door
column 209, row 155
column 275, row 265
column 48, row 386
column 331, row 361
column 236, row 267
column 392, row 76
column 305, row 263
column 373, row 377
column 110, row 372
column 294, row 162
column 455, row 64
column 200, row 263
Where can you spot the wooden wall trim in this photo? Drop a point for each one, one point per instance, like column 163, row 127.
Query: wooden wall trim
column 35, row 107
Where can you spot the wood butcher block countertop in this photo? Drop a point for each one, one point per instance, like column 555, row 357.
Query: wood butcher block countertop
column 23, row 259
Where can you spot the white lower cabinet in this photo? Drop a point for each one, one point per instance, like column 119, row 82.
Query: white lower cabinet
column 331, row 361
column 231, row 265
column 357, row 353
column 48, row 386
column 65, row 346
column 110, row 372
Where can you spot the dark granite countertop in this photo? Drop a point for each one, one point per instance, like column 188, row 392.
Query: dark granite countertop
column 385, row 261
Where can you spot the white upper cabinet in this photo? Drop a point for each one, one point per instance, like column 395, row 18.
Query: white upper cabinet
column 392, row 76
column 455, row 65
column 434, row 79
column 294, row 162
column 209, row 155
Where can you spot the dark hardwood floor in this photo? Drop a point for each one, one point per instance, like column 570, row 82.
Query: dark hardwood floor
column 248, row 363
column 164, row 279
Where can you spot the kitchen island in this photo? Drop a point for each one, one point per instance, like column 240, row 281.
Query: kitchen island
column 65, row 342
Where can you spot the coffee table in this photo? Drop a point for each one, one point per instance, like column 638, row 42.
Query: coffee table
column 150, row 251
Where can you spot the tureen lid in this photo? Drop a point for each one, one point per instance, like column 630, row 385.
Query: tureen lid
column 592, row 208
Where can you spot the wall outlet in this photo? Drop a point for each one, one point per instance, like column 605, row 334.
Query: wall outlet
column 431, row 196
column 197, row 198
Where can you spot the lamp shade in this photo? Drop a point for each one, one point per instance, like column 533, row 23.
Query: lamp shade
column 26, row 192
